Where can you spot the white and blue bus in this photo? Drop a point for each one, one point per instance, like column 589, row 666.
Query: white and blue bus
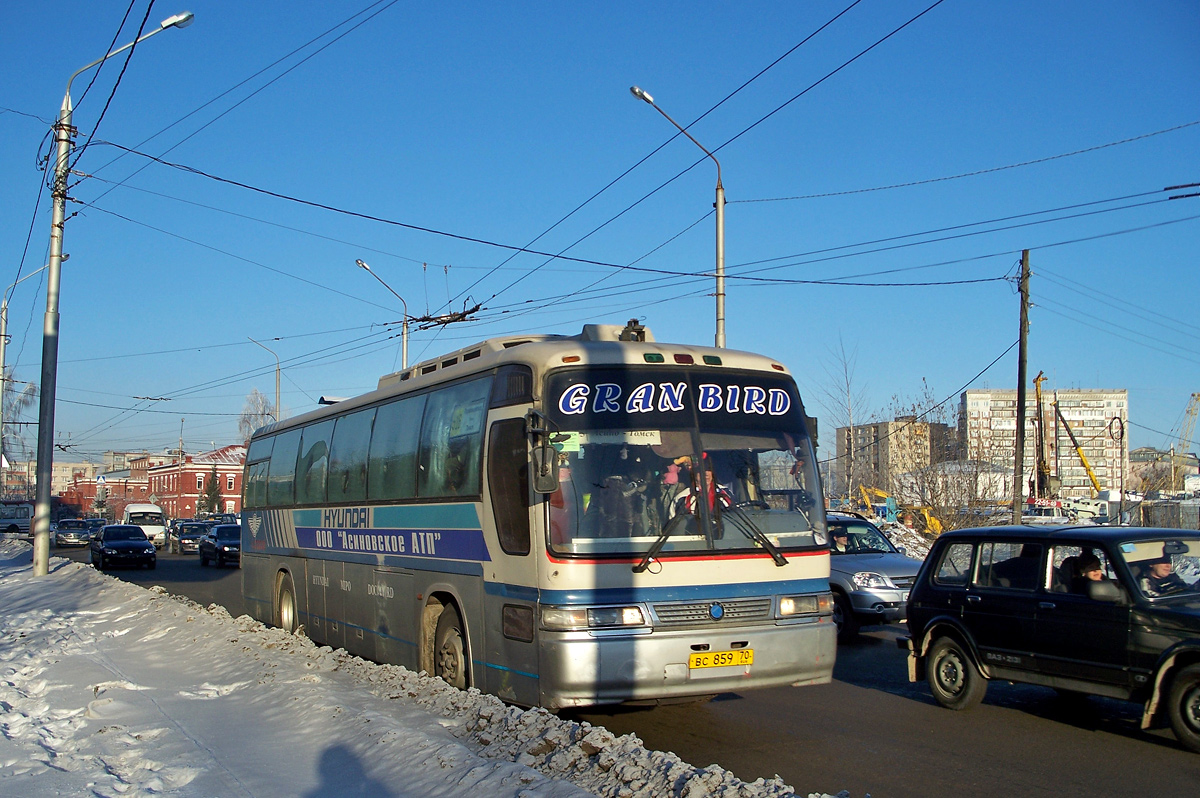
column 15, row 518
column 558, row 520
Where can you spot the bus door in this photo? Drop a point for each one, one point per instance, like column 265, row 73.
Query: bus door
column 510, row 595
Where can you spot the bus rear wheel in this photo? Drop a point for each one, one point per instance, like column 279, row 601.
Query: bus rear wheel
column 449, row 649
column 285, row 605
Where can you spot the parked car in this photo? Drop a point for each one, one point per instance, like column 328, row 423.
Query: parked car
column 72, row 532
column 1109, row 611
column 185, row 539
column 869, row 577
column 222, row 544
column 121, row 544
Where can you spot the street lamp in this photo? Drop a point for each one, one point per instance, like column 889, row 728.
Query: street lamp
column 404, row 327
column 272, row 351
column 45, row 455
column 719, row 205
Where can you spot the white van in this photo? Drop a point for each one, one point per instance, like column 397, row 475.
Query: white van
column 150, row 518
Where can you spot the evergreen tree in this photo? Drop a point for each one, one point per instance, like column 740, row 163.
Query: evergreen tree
column 212, row 493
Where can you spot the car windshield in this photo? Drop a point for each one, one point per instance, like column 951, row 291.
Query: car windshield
column 229, row 532
column 1164, row 567
column 146, row 519
column 853, row 536
column 123, row 533
column 72, row 525
column 193, row 529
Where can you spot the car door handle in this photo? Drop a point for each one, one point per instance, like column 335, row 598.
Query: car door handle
column 1045, row 605
column 973, row 599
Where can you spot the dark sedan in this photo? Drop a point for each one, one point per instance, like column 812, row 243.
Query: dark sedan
column 121, row 544
column 222, row 544
column 185, row 539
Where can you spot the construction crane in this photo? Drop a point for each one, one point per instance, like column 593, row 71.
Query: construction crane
column 1044, row 485
column 1079, row 451
column 1185, row 433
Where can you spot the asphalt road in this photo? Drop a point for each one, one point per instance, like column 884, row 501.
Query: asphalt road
column 870, row 731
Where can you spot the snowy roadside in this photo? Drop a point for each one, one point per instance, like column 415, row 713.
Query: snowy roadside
column 111, row 689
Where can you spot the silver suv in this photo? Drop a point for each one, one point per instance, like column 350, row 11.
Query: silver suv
column 870, row 578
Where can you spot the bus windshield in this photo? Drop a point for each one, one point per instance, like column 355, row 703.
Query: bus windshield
column 677, row 481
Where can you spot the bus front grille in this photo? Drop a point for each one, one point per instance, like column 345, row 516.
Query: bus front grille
column 701, row 612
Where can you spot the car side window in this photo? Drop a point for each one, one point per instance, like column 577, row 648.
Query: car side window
column 1010, row 564
column 955, row 566
column 1072, row 567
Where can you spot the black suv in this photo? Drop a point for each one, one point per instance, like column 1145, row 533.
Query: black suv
column 1111, row 611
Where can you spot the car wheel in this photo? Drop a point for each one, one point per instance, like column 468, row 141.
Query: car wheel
column 449, row 650
column 953, row 678
column 203, row 559
column 97, row 562
column 285, row 605
column 1184, row 706
column 152, row 564
column 843, row 618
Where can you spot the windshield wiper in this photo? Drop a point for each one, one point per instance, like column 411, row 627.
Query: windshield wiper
column 668, row 530
column 745, row 524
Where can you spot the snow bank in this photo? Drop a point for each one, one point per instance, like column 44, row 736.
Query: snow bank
column 112, row 689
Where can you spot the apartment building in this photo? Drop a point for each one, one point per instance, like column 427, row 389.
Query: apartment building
column 987, row 430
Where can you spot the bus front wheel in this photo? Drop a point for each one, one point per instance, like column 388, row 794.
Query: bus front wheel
column 285, row 605
column 449, row 649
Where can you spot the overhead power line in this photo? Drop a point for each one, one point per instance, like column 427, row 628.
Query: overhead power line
column 977, row 172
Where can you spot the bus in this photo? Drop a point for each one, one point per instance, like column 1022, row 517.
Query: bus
column 560, row 521
column 15, row 518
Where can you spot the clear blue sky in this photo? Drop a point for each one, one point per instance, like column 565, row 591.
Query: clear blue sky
column 494, row 121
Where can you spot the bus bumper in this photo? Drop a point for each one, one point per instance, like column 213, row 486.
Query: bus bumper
column 587, row 668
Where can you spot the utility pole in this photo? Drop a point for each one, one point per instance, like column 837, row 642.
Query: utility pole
column 1022, row 357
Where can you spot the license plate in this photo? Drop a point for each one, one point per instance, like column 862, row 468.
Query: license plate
column 720, row 659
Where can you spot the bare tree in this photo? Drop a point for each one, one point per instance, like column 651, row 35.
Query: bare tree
column 844, row 399
column 258, row 412
column 18, row 397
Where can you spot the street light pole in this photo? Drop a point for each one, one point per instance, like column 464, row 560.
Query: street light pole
column 719, row 205
column 63, row 131
column 404, row 326
column 272, row 351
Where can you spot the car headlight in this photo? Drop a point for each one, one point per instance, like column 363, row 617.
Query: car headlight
column 574, row 618
column 869, row 579
column 110, row 551
column 791, row 606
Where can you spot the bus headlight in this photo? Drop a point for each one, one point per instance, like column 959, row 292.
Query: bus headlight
column 575, row 618
column 791, row 606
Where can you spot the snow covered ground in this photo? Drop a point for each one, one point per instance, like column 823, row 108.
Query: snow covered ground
column 110, row 689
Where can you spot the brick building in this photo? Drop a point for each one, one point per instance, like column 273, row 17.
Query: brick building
column 180, row 488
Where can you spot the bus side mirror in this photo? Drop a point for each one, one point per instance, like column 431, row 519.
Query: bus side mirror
column 542, row 453
column 545, row 469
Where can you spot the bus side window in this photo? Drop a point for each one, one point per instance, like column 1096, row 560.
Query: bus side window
column 508, row 484
column 452, row 440
column 348, row 457
column 313, row 464
column 282, row 472
column 392, row 467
